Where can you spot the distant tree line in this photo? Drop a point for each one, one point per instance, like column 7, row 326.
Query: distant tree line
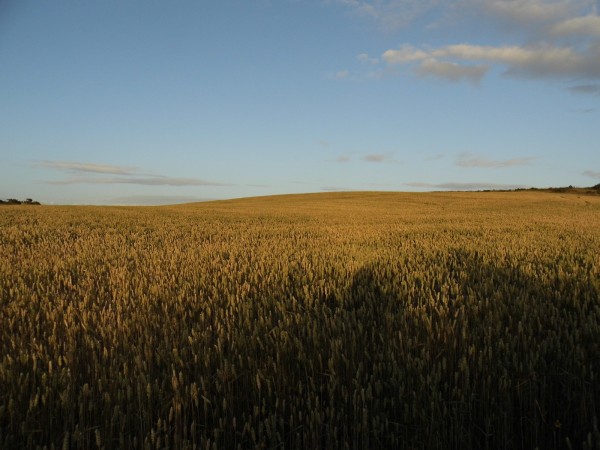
column 589, row 190
column 14, row 201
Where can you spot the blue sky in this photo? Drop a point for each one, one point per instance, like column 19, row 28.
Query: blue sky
column 156, row 101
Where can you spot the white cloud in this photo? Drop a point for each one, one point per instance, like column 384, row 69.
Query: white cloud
column 578, row 26
column 560, row 38
column 405, row 54
column 451, row 71
column 539, row 61
column 470, row 160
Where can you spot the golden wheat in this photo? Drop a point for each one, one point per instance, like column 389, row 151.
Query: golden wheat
column 350, row 321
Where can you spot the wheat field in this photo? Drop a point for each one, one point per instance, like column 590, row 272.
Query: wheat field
column 322, row 321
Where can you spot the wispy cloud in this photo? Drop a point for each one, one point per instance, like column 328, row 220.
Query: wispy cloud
column 585, row 89
column 592, row 174
column 367, row 157
column 378, row 157
column 452, row 186
column 529, row 12
column 339, row 75
column 435, row 157
column 365, row 58
column 469, row 160
column 77, row 167
column 92, row 173
column 156, row 180
column 389, row 15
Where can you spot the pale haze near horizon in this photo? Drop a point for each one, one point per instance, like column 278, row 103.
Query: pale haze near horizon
column 151, row 102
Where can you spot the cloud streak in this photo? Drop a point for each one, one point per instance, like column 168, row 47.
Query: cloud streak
column 343, row 159
column 156, row 180
column 377, row 157
column 469, row 160
column 592, row 174
column 435, row 157
column 366, row 157
column 76, row 167
column 91, row 173
column 585, row 89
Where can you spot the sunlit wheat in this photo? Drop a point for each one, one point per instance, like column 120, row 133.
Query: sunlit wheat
column 338, row 321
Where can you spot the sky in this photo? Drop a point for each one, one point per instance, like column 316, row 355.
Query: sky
column 168, row 101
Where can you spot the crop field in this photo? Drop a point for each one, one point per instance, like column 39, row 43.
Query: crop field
column 321, row 321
